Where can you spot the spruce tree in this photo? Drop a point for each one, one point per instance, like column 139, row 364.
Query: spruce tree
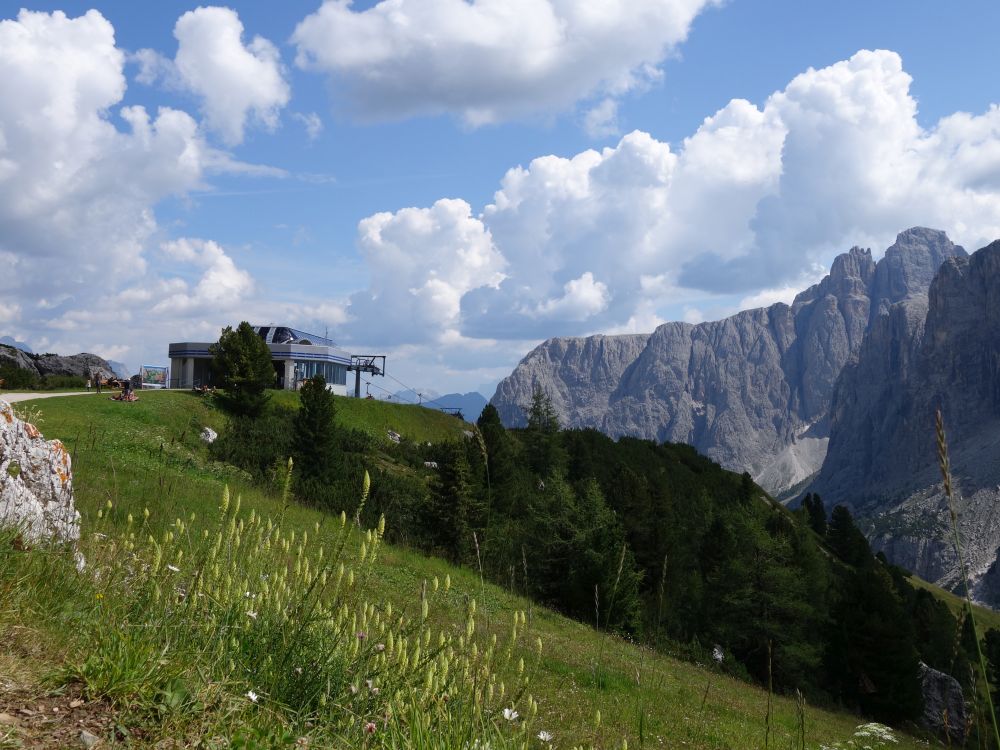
column 241, row 365
column 314, row 441
column 545, row 452
column 815, row 512
column 846, row 540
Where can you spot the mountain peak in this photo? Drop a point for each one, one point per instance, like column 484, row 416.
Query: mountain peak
column 909, row 266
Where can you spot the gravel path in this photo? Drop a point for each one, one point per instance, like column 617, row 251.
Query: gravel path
column 12, row 398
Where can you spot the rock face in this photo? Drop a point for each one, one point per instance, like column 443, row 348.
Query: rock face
column 944, row 704
column 36, row 486
column 752, row 391
column 79, row 365
column 920, row 356
column 579, row 375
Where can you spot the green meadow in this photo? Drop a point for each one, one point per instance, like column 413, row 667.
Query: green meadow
column 147, row 489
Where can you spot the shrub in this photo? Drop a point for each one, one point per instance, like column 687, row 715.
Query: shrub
column 256, row 444
column 15, row 378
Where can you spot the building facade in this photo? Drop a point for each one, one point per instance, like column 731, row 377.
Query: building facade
column 297, row 356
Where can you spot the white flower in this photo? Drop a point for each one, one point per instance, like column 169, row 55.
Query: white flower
column 252, row 615
column 173, row 568
column 510, row 714
column 252, row 696
column 545, row 736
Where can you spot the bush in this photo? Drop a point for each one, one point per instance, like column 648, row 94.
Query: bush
column 54, row 382
column 16, row 379
column 256, row 444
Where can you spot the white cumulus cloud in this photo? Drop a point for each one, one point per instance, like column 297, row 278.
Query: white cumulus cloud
column 235, row 82
column 80, row 176
column 748, row 205
column 490, row 60
column 422, row 261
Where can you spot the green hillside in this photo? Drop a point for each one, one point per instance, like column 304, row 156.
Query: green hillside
column 148, row 455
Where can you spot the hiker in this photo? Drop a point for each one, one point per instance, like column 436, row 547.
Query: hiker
column 97, row 382
column 89, row 383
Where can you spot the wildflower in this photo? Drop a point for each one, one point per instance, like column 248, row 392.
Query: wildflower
column 370, row 727
column 380, row 647
column 252, row 696
column 353, row 689
column 173, row 569
column 361, row 635
column 717, row 654
column 298, row 670
column 252, row 615
column 510, row 714
column 545, row 736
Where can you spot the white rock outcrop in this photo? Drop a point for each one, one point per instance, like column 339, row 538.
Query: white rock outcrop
column 209, row 435
column 36, row 483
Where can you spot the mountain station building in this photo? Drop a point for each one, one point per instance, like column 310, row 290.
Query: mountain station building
column 297, row 356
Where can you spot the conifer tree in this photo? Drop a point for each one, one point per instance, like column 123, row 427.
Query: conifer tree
column 545, row 452
column 314, row 441
column 815, row 512
column 241, row 365
column 452, row 514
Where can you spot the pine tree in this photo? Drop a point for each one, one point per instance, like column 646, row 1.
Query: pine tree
column 451, row 513
column 545, row 452
column 314, row 441
column 241, row 365
column 816, row 513
column 846, row 540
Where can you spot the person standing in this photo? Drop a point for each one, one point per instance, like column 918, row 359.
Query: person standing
column 97, row 382
column 89, row 384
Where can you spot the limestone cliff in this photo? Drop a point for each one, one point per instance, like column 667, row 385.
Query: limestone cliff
column 942, row 352
column 80, row 365
column 751, row 391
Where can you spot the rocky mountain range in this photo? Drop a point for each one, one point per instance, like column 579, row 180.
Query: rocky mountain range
column 81, row 365
column 752, row 391
column 942, row 351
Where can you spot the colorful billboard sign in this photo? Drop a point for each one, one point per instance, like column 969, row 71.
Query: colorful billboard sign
column 153, row 376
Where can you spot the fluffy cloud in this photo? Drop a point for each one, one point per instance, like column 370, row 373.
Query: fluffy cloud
column 76, row 192
column 749, row 205
column 490, row 60
column 221, row 286
column 422, row 262
column 9, row 312
column 80, row 175
column 235, row 82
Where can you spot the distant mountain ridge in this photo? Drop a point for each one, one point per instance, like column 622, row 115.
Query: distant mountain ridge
column 470, row 404
column 12, row 342
column 751, row 391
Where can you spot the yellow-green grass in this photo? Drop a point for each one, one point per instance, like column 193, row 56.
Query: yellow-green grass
column 986, row 619
column 148, row 455
column 417, row 423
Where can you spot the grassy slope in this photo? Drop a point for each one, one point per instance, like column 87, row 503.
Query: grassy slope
column 148, row 455
column 986, row 619
column 378, row 417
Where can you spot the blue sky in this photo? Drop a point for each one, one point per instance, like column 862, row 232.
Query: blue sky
column 233, row 209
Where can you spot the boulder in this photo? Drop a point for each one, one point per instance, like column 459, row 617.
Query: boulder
column 944, row 704
column 36, row 483
column 209, row 435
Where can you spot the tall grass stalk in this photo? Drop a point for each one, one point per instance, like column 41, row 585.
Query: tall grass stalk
column 261, row 631
column 945, row 464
